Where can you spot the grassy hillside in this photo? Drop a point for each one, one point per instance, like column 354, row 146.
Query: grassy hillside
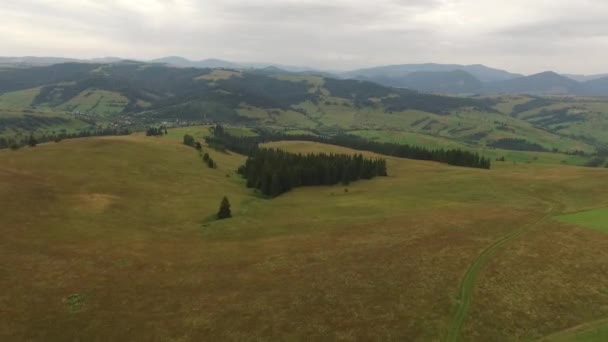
column 510, row 156
column 113, row 238
column 98, row 102
column 581, row 118
column 137, row 95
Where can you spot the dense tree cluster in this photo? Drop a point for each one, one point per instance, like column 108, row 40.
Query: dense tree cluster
column 32, row 140
column 596, row 162
column 266, row 92
column 395, row 99
column 456, row 157
column 274, row 172
column 29, row 122
column 189, row 140
column 209, row 161
column 537, row 102
column 517, row 145
column 154, row 131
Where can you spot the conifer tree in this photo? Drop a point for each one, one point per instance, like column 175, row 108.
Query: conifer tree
column 275, row 185
column 224, row 211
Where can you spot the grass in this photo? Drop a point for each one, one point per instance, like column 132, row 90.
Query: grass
column 220, row 74
column 96, row 102
column 413, row 138
column 595, row 219
column 409, row 138
column 591, row 332
column 463, row 127
column 18, row 99
column 111, row 239
column 22, row 122
column 240, row 131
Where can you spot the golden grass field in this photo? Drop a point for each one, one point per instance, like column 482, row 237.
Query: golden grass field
column 113, row 239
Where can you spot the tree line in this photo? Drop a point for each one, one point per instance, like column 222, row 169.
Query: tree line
column 190, row 141
column 32, row 140
column 456, row 157
column 274, row 172
column 156, row 131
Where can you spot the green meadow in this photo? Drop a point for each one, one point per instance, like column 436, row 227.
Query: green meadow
column 595, row 219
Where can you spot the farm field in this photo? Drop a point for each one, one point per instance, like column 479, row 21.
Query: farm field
column 114, row 238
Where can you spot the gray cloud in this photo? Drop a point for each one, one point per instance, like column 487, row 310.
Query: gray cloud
column 518, row 35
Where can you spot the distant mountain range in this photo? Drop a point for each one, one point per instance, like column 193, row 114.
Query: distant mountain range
column 397, row 72
column 219, row 63
column 478, row 79
column 430, row 77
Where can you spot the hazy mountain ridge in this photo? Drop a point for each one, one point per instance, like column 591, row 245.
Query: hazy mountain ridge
column 481, row 72
column 151, row 93
column 428, row 77
column 542, row 83
column 432, row 78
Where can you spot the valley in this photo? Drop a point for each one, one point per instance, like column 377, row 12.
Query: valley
column 303, row 170
column 52, row 99
column 111, row 234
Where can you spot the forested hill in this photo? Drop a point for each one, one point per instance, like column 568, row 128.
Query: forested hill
column 76, row 97
column 191, row 93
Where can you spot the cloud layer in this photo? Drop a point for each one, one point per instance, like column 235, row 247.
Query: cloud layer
column 519, row 35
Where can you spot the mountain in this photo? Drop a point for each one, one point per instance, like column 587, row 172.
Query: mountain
column 584, row 78
column 138, row 95
column 392, row 74
column 106, row 60
column 443, row 82
column 216, row 63
column 547, row 82
column 182, row 62
column 219, row 63
column 173, row 61
column 161, row 86
column 596, row 87
column 29, row 61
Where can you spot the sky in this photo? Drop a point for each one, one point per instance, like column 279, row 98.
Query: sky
column 525, row 36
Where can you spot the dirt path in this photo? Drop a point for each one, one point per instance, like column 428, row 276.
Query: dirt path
column 468, row 282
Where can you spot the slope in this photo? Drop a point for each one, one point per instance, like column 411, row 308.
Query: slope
column 123, row 246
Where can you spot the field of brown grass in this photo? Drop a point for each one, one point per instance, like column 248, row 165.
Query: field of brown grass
column 113, row 239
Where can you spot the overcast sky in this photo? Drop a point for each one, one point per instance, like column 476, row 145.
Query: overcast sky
column 519, row 35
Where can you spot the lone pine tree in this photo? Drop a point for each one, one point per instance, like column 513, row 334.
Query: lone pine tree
column 224, row 211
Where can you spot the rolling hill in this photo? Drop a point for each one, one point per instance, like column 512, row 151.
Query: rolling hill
column 74, row 96
column 114, row 238
column 429, row 77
